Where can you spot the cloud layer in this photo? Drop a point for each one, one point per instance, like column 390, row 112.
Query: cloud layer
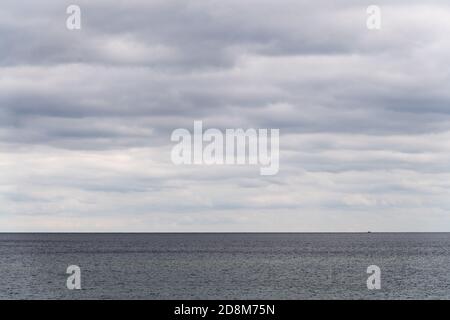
column 86, row 116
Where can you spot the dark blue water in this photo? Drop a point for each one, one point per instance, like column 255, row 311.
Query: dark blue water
column 225, row 266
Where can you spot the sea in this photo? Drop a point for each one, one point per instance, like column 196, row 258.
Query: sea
column 261, row 266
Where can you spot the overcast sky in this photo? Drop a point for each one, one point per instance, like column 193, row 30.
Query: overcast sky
column 86, row 115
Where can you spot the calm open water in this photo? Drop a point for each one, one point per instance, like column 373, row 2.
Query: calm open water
column 225, row 266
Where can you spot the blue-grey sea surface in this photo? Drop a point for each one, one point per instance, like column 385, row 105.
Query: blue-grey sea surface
column 225, row 266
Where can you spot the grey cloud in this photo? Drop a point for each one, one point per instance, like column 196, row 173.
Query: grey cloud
column 86, row 116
